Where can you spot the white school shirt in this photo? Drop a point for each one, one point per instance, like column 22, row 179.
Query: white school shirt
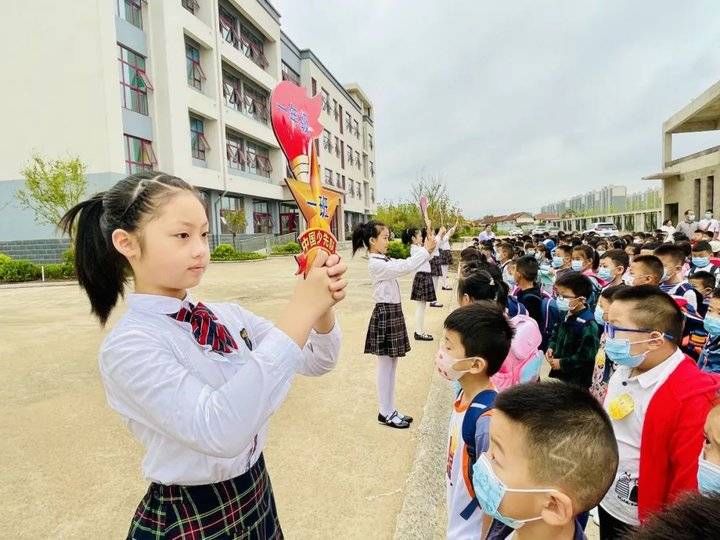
column 384, row 273
column 457, row 479
column 445, row 242
column 621, row 499
column 202, row 417
column 426, row 265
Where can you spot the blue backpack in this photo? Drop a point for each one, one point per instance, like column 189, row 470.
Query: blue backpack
column 481, row 404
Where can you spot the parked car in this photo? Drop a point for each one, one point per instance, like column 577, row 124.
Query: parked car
column 517, row 231
column 604, row 229
column 539, row 230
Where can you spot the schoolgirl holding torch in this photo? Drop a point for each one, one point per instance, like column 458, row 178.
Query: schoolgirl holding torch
column 195, row 383
column 387, row 336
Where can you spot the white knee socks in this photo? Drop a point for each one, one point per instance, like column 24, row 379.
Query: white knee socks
column 445, row 268
column 436, row 279
column 386, row 384
column 419, row 317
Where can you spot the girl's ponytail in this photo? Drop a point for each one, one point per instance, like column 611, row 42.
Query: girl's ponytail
column 363, row 232
column 102, row 271
column 100, row 268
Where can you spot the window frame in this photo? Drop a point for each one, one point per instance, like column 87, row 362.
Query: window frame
column 195, row 74
column 133, row 166
column 199, row 136
column 128, row 87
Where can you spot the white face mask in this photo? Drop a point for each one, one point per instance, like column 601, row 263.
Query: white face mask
column 445, row 365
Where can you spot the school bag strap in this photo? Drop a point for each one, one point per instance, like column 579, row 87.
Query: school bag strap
column 481, row 404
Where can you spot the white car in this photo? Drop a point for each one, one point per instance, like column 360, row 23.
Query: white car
column 538, row 230
column 604, row 229
column 516, row 232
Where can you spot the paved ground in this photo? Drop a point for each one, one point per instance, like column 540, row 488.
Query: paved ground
column 71, row 470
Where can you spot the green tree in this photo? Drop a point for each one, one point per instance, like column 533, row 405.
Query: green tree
column 52, row 187
column 235, row 221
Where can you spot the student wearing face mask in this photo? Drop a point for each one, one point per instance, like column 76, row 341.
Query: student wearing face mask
column 709, row 463
column 477, row 340
column 574, row 342
column 562, row 260
column 552, row 456
column 613, row 265
column 688, row 226
column 710, row 355
column 709, row 223
column 657, row 400
column 673, row 282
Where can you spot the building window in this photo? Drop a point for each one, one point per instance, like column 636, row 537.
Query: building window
column 255, row 102
column 139, row 155
column 198, row 142
column 130, row 11
column 326, row 100
column 195, row 74
column 339, row 118
column 348, row 122
column 314, row 86
column 258, row 159
column 337, row 147
column 351, row 184
column 370, row 137
column 327, row 145
column 343, row 181
column 342, row 154
column 243, row 96
column 709, row 192
column 372, row 194
column 337, row 179
column 289, row 75
column 239, row 33
column 235, row 150
column 356, row 126
column 372, row 169
column 328, row 177
column 351, row 156
column 357, row 159
column 262, row 219
column 134, row 82
column 191, row 5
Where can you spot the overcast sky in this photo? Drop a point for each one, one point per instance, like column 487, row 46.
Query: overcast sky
column 517, row 103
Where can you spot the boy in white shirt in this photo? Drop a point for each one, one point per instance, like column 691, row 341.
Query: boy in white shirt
column 477, row 340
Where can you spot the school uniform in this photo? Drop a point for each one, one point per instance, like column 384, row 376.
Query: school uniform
column 387, row 333
column 682, row 290
column 196, row 384
column 658, row 418
column 458, row 482
column 436, row 261
column 423, row 289
column 713, row 268
column 445, row 251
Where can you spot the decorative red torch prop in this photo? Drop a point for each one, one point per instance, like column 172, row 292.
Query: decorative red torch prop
column 295, row 121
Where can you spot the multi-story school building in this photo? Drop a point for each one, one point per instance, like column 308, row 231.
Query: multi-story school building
column 689, row 182
column 180, row 86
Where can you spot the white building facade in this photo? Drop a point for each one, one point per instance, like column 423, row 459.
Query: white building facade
column 179, row 86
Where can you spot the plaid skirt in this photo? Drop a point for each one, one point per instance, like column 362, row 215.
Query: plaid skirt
column 436, row 266
column 242, row 507
column 387, row 334
column 446, row 257
column 423, row 288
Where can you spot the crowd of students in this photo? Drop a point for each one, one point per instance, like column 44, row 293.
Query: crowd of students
column 625, row 425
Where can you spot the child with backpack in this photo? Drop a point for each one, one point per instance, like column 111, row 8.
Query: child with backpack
column 524, row 360
column 574, row 342
column 540, row 305
column 477, row 340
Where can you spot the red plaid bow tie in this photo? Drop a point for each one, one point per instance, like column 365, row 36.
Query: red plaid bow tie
column 205, row 328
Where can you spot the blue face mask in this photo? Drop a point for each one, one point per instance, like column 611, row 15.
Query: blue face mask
column 618, row 350
column 599, row 312
column 708, row 477
column 563, row 304
column 604, row 273
column 700, row 262
column 490, row 491
column 557, row 262
column 712, row 325
column 576, row 265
